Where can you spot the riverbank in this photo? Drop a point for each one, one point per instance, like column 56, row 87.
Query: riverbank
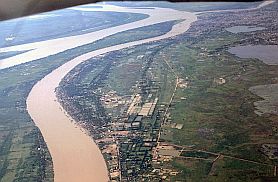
column 75, row 155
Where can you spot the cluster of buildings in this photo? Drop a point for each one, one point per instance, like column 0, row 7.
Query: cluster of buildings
column 128, row 143
column 125, row 127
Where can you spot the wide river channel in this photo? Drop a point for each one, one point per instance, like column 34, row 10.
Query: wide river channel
column 75, row 155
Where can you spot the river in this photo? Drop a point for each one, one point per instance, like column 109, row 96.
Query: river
column 75, row 156
column 36, row 50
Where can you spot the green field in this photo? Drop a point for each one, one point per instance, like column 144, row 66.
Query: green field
column 218, row 117
column 20, row 159
column 221, row 135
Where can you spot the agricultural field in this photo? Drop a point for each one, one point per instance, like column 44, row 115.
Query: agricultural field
column 217, row 113
column 21, row 144
column 180, row 109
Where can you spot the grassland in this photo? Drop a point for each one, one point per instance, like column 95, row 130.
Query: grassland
column 219, row 117
column 23, row 153
column 220, row 128
column 219, row 124
column 76, row 23
column 24, row 156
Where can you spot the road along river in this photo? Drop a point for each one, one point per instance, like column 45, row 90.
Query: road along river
column 75, row 156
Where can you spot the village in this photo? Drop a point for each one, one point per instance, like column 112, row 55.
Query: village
column 125, row 100
column 126, row 127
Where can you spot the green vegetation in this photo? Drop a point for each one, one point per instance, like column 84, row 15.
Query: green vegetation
column 191, row 169
column 220, row 135
column 236, row 170
column 164, row 75
column 122, row 73
column 197, row 154
column 219, row 116
column 211, row 111
column 23, row 154
column 19, row 138
column 135, row 34
column 63, row 23
column 187, row 6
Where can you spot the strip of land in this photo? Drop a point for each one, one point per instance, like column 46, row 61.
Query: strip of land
column 37, row 50
column 75, row 156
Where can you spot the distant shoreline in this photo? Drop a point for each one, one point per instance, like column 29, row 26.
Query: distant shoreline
column 75, row 156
